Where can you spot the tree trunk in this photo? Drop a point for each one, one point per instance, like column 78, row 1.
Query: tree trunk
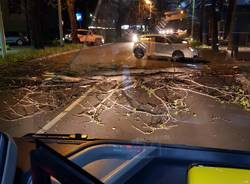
column 119, row 22
column 73, row 24
column 233, row 38
column 214, row 27
column 230, row 12
column 202, row 16
column 27, row 20
column 36, row 21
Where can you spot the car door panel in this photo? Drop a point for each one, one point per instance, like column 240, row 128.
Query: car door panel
column 163, row 47
column 183, row 48
column 150, row 45
column 11, row 39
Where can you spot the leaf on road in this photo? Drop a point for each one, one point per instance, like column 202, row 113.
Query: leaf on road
column 150, row 91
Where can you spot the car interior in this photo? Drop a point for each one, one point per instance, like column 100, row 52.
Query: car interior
column 108, row 161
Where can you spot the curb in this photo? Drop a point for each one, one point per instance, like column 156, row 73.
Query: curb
column 55, row 55
column 66, row 52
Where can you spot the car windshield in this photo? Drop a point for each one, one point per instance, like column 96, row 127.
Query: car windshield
column 82, row 32
column 175, row 39
column 127, row 80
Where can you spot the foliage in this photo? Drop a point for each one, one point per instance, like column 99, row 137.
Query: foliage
column 195, row 43
column 26, row 54
column 150, row 91
column 241, row 98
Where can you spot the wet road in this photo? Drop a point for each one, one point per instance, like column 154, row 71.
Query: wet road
column 209, row 123
column 115, row 56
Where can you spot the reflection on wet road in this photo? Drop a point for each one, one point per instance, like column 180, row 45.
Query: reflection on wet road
column 119, row 55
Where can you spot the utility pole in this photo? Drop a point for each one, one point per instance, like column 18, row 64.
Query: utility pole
column 60, row 21
column 2, row 34
column 193, row 14
column 96, row 12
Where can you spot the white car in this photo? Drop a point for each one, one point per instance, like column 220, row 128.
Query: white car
column 163, row 45
column 86, row 36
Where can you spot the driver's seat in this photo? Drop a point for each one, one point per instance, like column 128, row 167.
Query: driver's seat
column 8, row 158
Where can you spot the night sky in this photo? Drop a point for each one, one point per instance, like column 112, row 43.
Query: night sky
column 88, row 5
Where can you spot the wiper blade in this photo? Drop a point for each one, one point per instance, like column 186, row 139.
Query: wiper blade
column 58, row 136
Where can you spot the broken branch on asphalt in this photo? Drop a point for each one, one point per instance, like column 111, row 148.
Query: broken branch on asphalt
column 170, row 107
column 156, row 99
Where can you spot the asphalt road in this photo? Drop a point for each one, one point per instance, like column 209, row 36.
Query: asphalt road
column 103, row 110
column 114, row 56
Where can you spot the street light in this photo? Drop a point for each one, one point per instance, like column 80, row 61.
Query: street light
column 148, row 2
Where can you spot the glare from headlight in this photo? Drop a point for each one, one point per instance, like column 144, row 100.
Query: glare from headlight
column 103, row 40
column 135, row 38
column 169, row 31
column 162, row 32
column 191, row 49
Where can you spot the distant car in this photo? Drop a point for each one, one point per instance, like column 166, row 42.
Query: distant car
column 86, row 36
column 16, row 38
column 163, row 45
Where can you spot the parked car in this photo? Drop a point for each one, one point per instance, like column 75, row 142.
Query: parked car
column 16, row 38
column 163, row 45
column 86, row 36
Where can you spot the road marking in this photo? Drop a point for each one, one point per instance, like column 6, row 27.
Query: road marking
column 54, row 121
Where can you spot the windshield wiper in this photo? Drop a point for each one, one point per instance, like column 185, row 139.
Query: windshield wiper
column 58, row 136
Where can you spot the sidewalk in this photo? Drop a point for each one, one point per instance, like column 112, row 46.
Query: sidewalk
column 224, row 55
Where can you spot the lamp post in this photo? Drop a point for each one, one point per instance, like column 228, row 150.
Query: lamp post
column 193, row 14
column 2, row 35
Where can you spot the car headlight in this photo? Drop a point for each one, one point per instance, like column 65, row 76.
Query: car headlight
column 191, row 49
column 103, row 40
column 68, row 36
column 135, row 38
column 162, row 32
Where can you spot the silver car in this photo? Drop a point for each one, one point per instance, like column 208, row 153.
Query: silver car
column 16, row 38
column 163, row 45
